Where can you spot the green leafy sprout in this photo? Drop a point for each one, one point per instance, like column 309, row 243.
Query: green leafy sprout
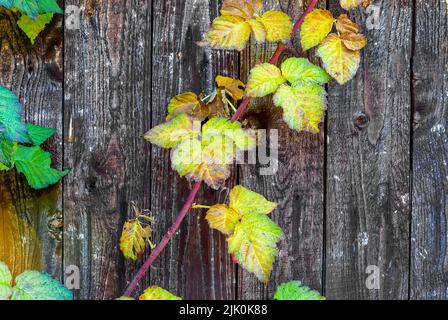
column 20, row 145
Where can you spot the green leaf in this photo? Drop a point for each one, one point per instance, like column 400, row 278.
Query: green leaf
column 38, row 134
column 35, row 164
column 300, row 69
column 171, row 133
column 294, row 290
column 33, row 285
column 157, row 293
column 254, row 244
column 303, row 105
column 31, row 27
column 245, row 201
column 6, row 149
column 264, row 79
column 49, row 6
column 27, row 7
column 3, row 167
column 5, row 282
column 219, row 127
column 11, row 126
column 7, row 3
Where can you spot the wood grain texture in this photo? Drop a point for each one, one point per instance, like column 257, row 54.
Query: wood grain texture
column 33, row 73
column 297, row 186
column 368, row 166
column 429, row 237
column 195, row 264
column 107, row 103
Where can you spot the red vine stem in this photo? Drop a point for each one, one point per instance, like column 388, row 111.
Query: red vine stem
column 191, row 197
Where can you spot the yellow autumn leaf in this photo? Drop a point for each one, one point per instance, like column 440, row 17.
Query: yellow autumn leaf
column 264, row 79
column 234, row 87
column 254, row 244
column 207, row 159
column 340, row 62
column 222, row 218
column 245, row 201
column 134, row 238
column 303, row 105
column 258, row 29
column 354, row 41
column 316, row 26
column 169, row 134
column 228, row 32
column 245, row 9
column 157, row 293
column 344, row 24
column 350, row 4
column 187, row 102
column 278, row 25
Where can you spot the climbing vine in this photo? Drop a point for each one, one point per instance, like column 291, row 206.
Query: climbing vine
column 205, row 135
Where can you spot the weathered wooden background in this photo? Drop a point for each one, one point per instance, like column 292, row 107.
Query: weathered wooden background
column 370, row 190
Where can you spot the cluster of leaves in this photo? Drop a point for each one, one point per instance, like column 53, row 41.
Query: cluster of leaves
column 154, row 293
column 20, row 145
column 252, row 237
column 293, row 290
column 35, row 14
column 339, row 50
column 303, row 100
column 240, row 18
column 350, row 4
column 136, row 234
column 220, row 102
column 30, row 285
column 203, row 152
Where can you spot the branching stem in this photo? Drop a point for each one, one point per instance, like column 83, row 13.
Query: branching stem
column 191, row 197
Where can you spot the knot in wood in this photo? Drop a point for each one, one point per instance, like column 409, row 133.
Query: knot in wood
column 361, row 120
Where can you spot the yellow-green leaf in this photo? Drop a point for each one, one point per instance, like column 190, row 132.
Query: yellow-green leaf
column 303, row 105
column 228, row 32
column 245, row 9
column 316, row 26
column 245, row 201
column 344, row 24
column 134, row 238
column 254, row 244
column 264, row 79
column 221, row 127
column 187, row 102
column 234, row 87
column 258, row 29
column 157, row 293
column 169, row 134
column 222, row 218
column 32, row 27
column 278, row 25
column 300, row 69
column 340, row 62
column 125, row 298
column 354, row 41
column 5, row 282
column 350, row 4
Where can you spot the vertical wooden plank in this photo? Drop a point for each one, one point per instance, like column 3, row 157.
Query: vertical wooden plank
column 107, row 102
column 297, row 186
column 429, row 275
column 33, row 73
column 368, row 165
column 195, row 265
